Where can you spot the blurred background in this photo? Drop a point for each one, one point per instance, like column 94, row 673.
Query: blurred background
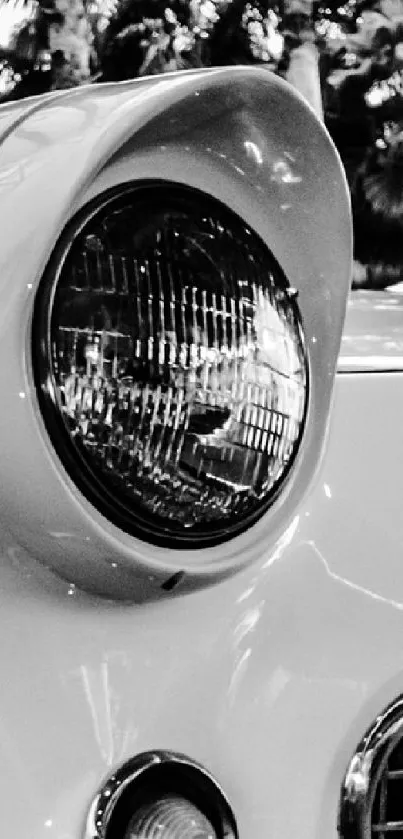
column 347, row 59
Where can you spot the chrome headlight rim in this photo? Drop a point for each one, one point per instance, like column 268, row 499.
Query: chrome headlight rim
column 77, row 467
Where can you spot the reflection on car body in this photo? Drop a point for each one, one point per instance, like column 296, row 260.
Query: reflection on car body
column 201, row 585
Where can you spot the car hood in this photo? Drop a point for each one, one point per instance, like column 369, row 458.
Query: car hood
column 373, row 333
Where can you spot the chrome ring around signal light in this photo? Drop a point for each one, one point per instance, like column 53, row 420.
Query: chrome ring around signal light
column 157, row 771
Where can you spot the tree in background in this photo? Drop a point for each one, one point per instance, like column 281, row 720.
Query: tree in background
column 363, row 96
column 153, row 36
column 54, row 47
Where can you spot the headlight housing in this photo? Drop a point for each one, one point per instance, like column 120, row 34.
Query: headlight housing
column 170, row 363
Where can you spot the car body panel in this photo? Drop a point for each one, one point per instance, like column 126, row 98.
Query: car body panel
column 269, row 679
column 373, row 332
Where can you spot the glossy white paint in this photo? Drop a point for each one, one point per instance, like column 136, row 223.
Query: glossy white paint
column 246, row 138
column 373, row 332
column 269, row 678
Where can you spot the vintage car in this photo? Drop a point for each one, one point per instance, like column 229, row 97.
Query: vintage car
column 201, row 546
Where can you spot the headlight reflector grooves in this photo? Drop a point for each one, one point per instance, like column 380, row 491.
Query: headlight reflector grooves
column 176, row 362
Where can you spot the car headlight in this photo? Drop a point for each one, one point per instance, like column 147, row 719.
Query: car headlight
column 170, row 363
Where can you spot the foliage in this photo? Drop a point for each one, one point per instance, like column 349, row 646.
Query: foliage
column 52, row 48
column 153, row 36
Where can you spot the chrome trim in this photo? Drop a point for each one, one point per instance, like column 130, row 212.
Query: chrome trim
column 364, row 773
column 369, row 364
column 135, row 770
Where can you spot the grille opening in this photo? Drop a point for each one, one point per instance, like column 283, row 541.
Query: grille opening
column 387, row 808
column 371, row 803
column 395, row 762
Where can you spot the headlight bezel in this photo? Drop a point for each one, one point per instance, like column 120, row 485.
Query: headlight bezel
column 77, row 467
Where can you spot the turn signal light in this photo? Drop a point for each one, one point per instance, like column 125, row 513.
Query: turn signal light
column 170, row 817
column 161, row 795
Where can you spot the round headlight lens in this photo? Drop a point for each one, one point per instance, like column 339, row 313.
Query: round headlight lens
column 173, row 374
